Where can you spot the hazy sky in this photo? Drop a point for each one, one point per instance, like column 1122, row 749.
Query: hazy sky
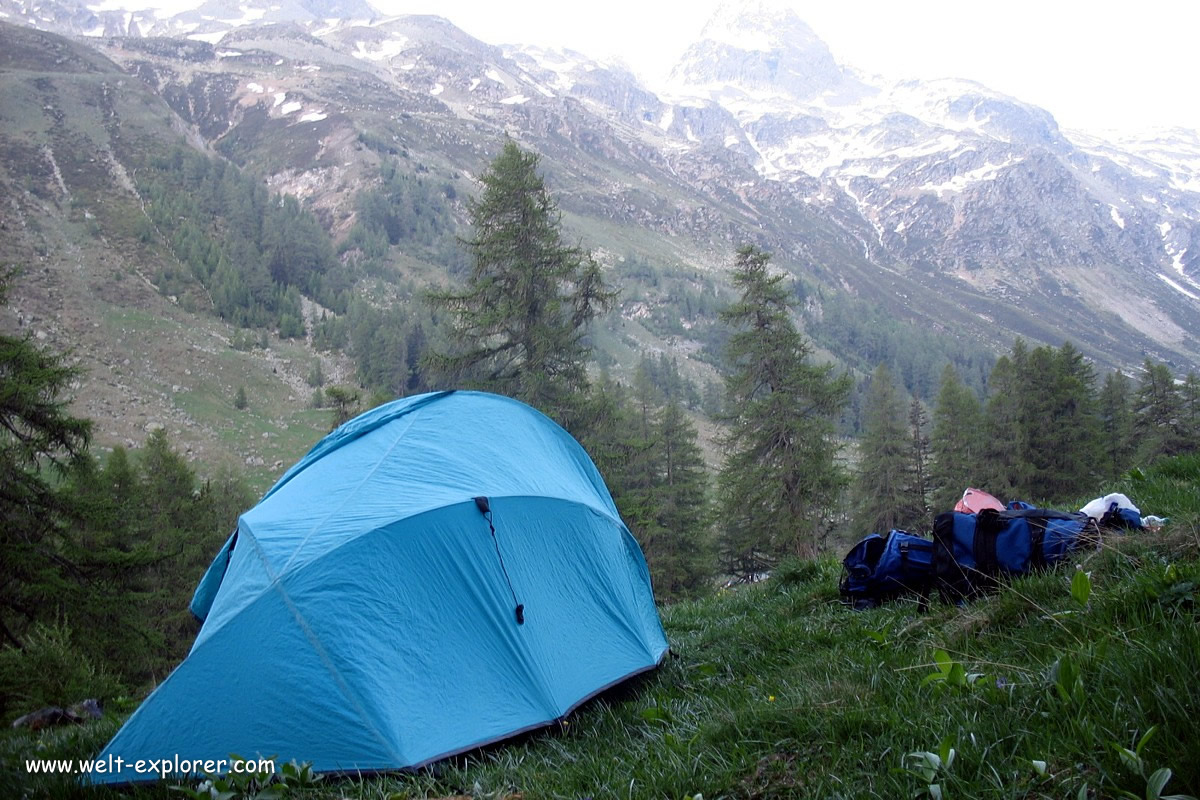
column 1094, row 65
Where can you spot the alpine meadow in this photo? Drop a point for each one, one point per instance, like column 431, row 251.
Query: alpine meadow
column 389, row 414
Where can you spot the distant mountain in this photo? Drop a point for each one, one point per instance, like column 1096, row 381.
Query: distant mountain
column 956, row 210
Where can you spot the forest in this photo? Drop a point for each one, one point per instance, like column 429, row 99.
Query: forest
column 101, row 551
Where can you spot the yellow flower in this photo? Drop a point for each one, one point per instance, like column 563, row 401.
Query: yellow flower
column 770, row 698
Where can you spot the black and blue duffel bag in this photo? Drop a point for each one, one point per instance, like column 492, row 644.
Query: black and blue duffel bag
column 882, row 568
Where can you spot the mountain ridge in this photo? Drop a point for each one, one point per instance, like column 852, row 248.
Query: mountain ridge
column 956, row 208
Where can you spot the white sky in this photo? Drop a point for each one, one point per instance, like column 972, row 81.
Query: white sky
column 1095, row 65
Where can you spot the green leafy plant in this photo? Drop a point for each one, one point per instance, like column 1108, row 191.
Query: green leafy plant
column 879, row 637
column 932, row 768
column 1133, row 761
column 1081, row 587
column 262, row 784
column 1068, row 679
column 950, row 672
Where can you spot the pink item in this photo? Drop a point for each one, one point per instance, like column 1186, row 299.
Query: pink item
column 976, row 500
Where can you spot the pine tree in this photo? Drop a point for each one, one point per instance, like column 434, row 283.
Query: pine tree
column 883, row 485
column 1116, row 424
column 519, row 325
column 780, row 481
column 1157, row 414
column 685, row 557
column 1002, row 465
column 345, row 402
column 1074, row 435
column 37, row 435
column 918, row 427
column 956, row 441
column 1189, row 408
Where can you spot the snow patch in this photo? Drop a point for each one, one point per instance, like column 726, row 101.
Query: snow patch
column 407, row 67
column 1116, row 217
column 1177, row 287
column 255, row 87
column 380, row 51
column 960, row 182
column 248, row 15
column 731, row 140
column 291, row 108
column 1164, row 228
column 474, row 84
column 865, row 211
column 667, row 119
column 279, row 98
column 493, row 75
column 516, row 99
column 691, row 137
column 309, row 68
column 211, row 38
column 437, row 89
column 228, row 53
column 313, row 116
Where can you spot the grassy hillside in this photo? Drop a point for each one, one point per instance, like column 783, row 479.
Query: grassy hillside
column 776, row 690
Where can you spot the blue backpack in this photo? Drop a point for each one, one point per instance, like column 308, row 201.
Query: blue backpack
column 881, row 568
column 1121, row 518
column 972, row 551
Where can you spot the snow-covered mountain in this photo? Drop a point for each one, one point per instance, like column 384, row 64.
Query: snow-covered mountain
column 941, row 187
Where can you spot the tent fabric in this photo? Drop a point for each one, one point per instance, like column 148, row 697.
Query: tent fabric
column 361, row 618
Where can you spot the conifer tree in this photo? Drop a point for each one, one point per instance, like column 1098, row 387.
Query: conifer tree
column 956, row 441
column 684, row 560
column 918, row 432
column 37, row 435
column 1003, row 456
column 1116, row 423
column 1189, row 402
column 1157, row 414
column 883, row 485
column 518, row 326
column 780, row 481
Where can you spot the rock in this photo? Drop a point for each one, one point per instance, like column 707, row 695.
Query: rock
column 277, row 465
column 151, row 427
column 53, row 715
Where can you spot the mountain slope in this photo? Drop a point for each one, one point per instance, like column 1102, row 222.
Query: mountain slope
column 960, row 211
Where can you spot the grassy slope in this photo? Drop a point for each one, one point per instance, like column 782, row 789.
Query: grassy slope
column 777, row 690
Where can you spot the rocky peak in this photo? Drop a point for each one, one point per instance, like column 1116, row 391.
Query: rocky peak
column 759, row 46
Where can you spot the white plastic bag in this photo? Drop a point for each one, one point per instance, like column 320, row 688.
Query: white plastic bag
column 1100, row 505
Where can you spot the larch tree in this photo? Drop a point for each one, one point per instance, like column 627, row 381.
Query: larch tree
column 1157, row 418
column 919, row 453
column 1115, row 407
column 38, row 436
column 883, row 483
column 780, row 482
column 957, row 443
column 518, row 325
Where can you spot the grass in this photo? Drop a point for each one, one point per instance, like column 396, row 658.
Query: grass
column 776, row 690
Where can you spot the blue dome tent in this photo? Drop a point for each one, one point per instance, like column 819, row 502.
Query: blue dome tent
column 441, row 572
